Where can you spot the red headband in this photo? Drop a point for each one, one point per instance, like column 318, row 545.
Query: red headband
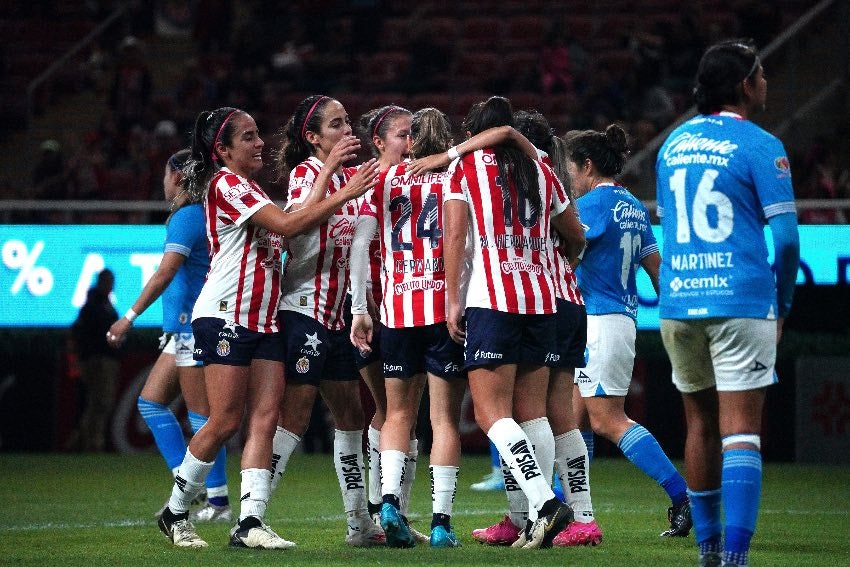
column 309, row 114
column 220, row 128
column 381, row 119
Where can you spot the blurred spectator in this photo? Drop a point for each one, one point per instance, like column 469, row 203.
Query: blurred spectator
column 98, row 364
column 556, row 74
column 48, row 175
column 132, row 84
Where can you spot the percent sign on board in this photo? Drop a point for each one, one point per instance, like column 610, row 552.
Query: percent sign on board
column 16, row 257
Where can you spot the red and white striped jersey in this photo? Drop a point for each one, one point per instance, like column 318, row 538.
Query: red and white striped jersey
column 317, row 272
column 512, row 260
column 410, row 223
column 566, row 283
column 243, row 283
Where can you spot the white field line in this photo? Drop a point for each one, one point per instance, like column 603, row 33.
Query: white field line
column 273, row 520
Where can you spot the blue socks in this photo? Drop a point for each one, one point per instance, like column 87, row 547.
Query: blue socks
column 218, row 474
column 741, row 496
column 705, row 512
column 167, row 432
column 641, row 448
column 495, row 459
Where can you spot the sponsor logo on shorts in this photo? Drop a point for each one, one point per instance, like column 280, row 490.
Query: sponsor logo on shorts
column 452, row 367
column 303, row 365
column 223, row 348
column 311, row 343
column 552, row 357
column 228, row 331
column 486, row 355
column 392, row 367
column 583, row 378
column 198, row 352
column 757, row 367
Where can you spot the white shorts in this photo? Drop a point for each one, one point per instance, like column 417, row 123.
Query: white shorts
column 733, row 355
column 181, row 345
column 610, row 356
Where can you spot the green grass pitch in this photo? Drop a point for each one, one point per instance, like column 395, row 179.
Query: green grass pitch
column 98, row 510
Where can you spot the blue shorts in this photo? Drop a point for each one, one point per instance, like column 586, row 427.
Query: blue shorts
column 375, row 355
column 313, row 352
column 221, row 342
column 415, row 350
column 571, row 340
column 495, row 337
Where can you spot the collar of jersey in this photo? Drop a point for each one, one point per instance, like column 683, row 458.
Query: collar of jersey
column 734, row 115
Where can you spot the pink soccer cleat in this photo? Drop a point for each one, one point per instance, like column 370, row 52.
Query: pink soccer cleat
column 576, row 534
column 503, row 533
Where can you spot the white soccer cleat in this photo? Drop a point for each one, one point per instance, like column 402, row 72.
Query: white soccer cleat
column 252, row 532
column 545, row 528
column 212, row 513
column 180, row 531
column 362, row 532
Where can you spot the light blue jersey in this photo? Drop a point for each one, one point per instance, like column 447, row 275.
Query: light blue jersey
column 719, row 179
column 619, row 236
column 186, row 234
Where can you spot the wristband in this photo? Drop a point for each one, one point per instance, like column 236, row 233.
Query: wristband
column 453, row 153
column 130, row 315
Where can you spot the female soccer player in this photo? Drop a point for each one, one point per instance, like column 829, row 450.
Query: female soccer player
column 719, row 177
column 386, row 132
column 319, row 356
column 503, row 310
column 234, row 319
column 619, row 239
column 178, row 279
column 414, row 340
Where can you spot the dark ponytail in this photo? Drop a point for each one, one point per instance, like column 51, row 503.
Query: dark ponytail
column 513, row 163
column 210, row 128
column 607, row 150
column 295, row 147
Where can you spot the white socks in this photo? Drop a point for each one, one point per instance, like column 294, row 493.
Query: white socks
column 392, row 471
column 348, row 461
column 573, row 465
column 408, row 476
column 443, row 488
column 515, row 449
column 255, row 490
column 283, row 445
column 374, row 465
column 188, row 483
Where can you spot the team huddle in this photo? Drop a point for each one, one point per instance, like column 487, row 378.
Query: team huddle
column 500, row 265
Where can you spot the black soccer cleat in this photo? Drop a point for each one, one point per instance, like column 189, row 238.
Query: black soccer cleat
column 680, row 520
